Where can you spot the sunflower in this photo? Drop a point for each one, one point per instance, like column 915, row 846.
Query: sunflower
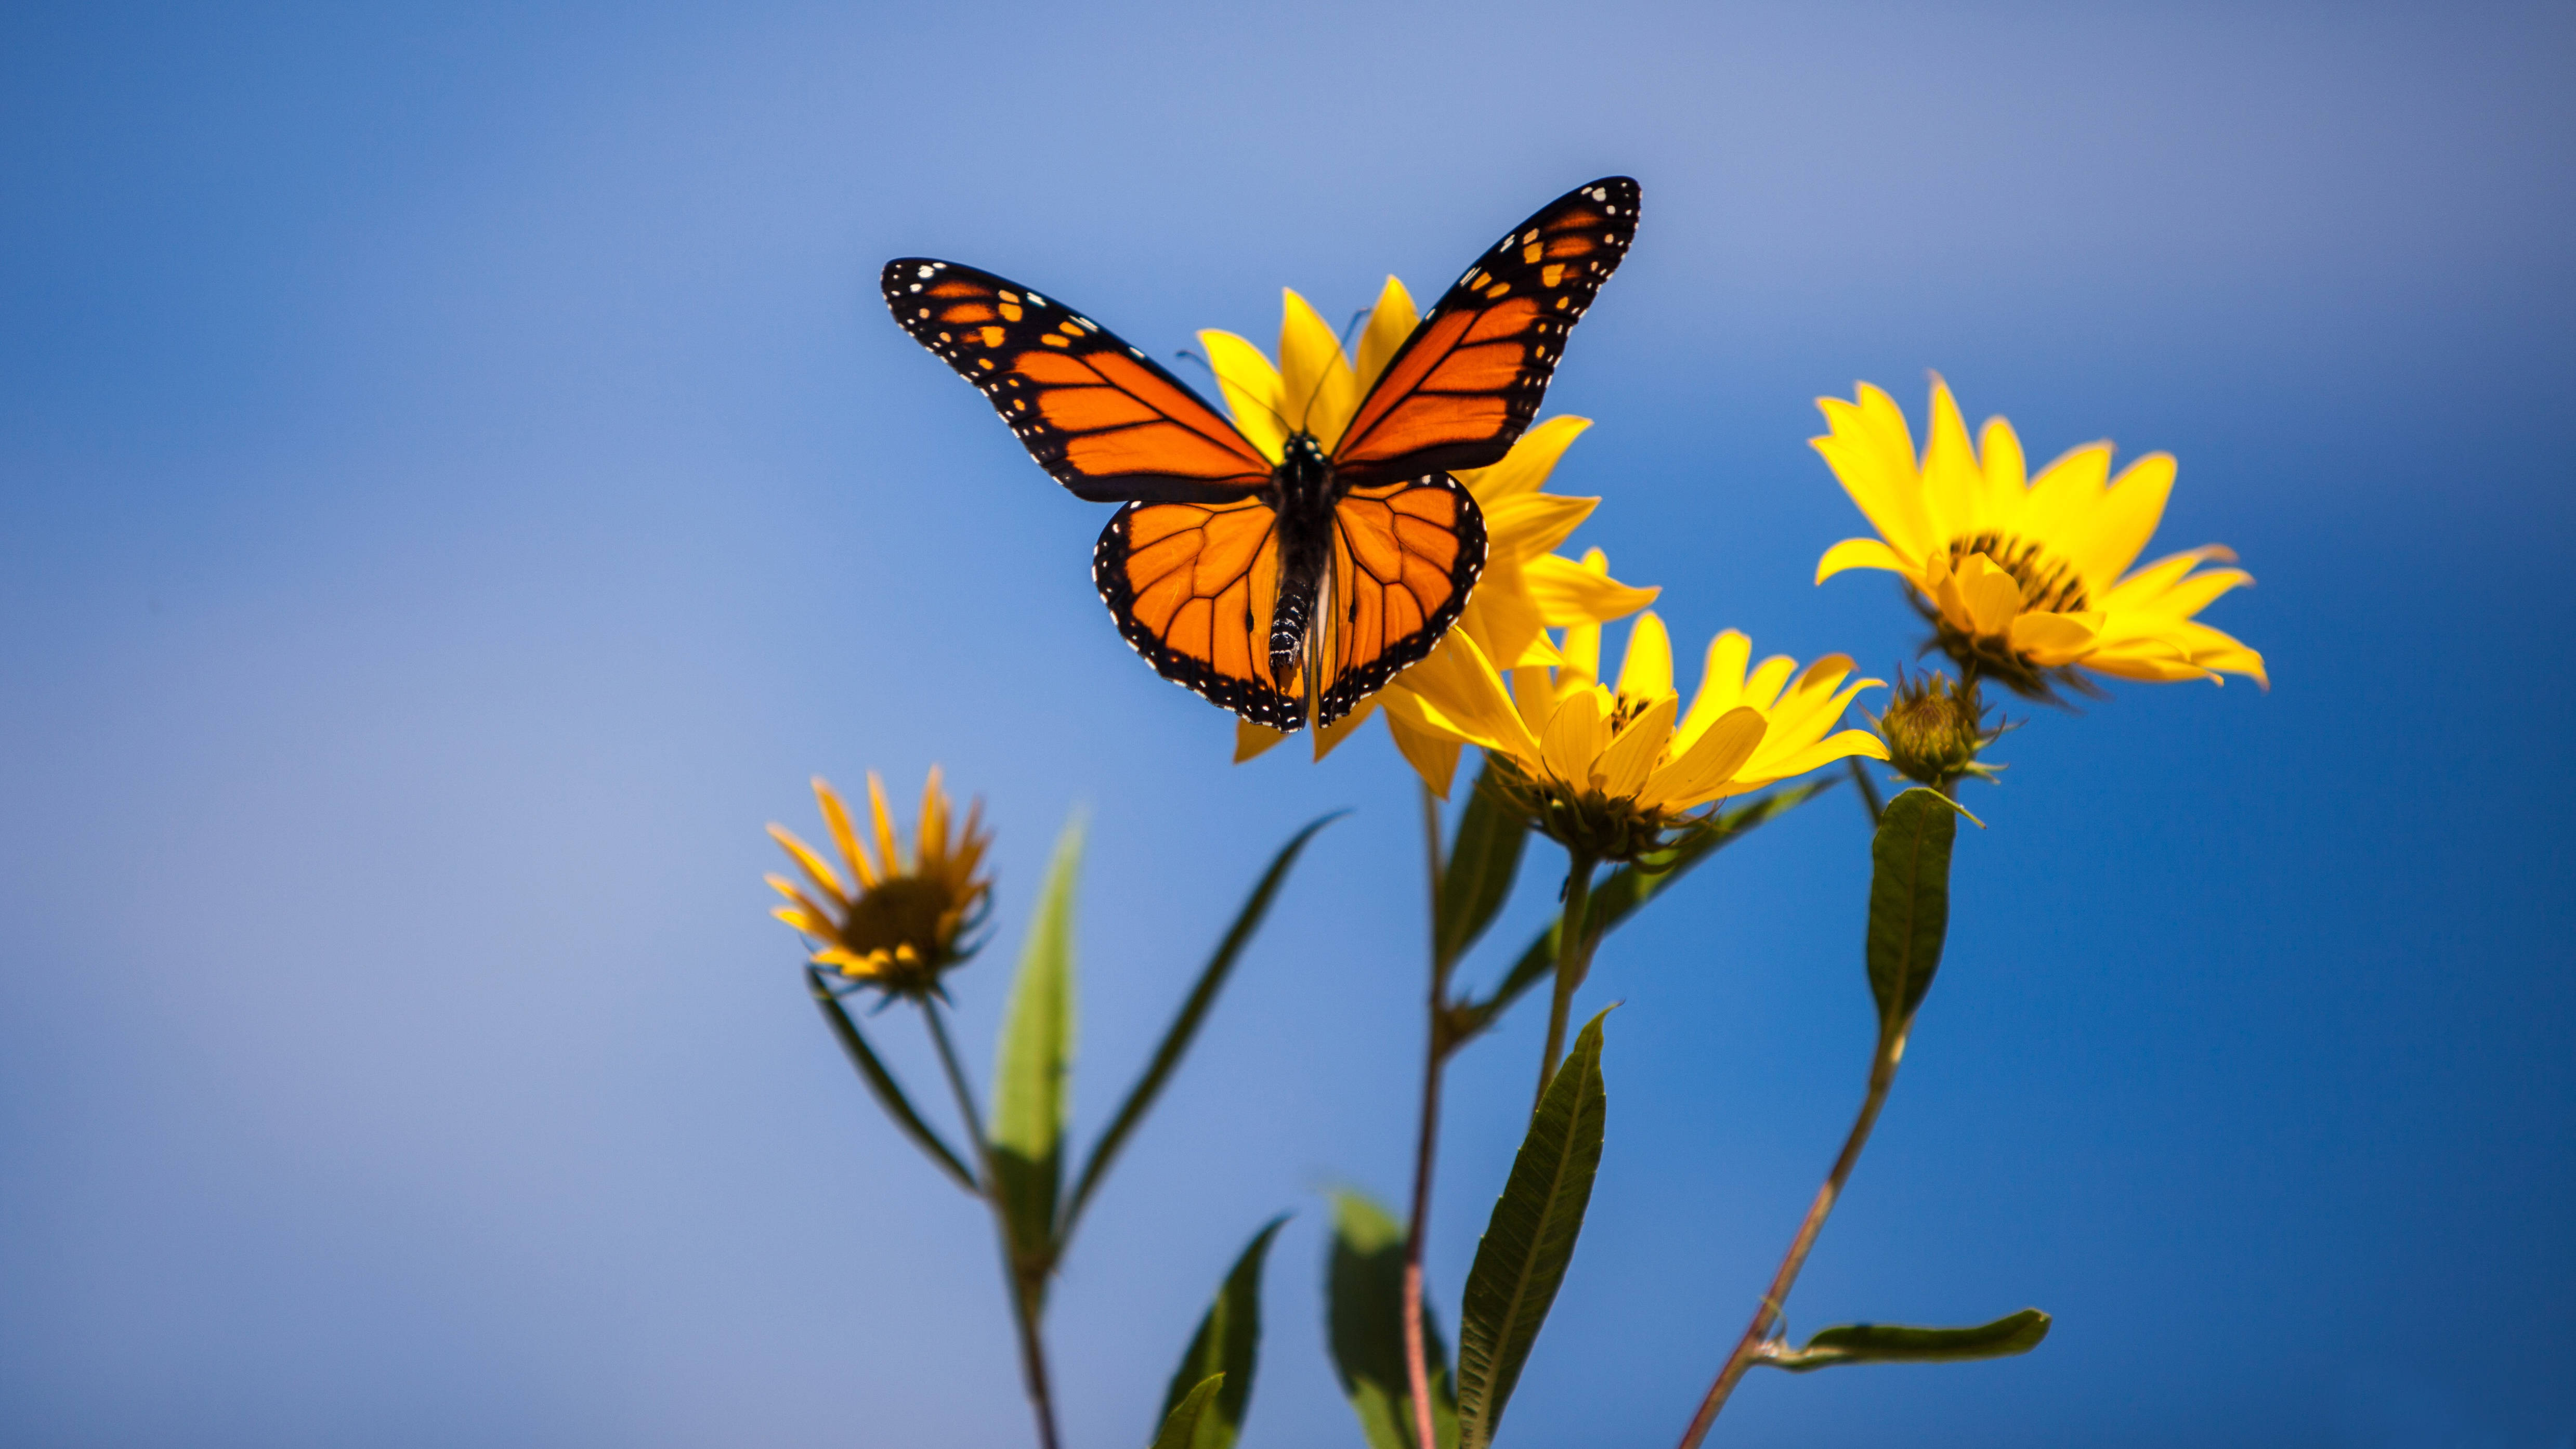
column 892, row 926
column 1526, row 588
column 2022, row 581
column 1607, row 768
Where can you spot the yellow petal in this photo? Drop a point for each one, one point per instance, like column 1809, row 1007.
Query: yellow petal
column 1390, row 322
column 1859, row 553
column 1250, row 386
column 1634, row 749
column 2065, row 493
column 1721, row 686
column 1330, row 737
column 890, row 863
column 1527, row 466
column 2007, row 477
column 1525, row 525
column 1505, row 621
column 1252, row 740
column 1768, row 771
column 1567, row 593
column 2050, row 640
column 2105, row 542
column 930, row 838
column 1647, row 672
column 806, row 860
column 1989, row 594
column 1432, row 753
column 837, row 817
column 1952, row 482
column 1318, row 390
column 1459, row 690
column 1575, row 734
column 1703, row 771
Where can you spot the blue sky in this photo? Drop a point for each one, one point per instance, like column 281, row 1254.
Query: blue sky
column 457, row 482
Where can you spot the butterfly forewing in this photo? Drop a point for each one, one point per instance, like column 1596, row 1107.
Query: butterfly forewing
column 1100, row 415
column 1469, row 380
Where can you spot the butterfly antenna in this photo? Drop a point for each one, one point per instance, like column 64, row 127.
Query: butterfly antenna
column 1219, row 380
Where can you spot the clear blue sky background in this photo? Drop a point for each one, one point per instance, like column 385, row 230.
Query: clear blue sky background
column 457, row 482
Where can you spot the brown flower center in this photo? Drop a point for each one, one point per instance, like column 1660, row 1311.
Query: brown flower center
column 2046, row 584
column 908, row 910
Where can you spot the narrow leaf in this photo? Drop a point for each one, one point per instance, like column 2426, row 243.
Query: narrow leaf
column 1483, row 862
column 881, row 1083
column 1185, row 1026
column 1889, row 1343
column 1181, row 1426
column 1030, row 1084
column 1530, row 1239
column 1909, row 901
column 1225, row 1346
column 1364, row 1316
column 1616, row 899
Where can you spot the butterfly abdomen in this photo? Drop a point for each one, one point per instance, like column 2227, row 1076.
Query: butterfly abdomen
column 1303, row 499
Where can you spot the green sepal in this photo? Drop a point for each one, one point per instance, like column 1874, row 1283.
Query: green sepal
column 1892, row 1343
column 1185, row 1026
column 1364, row 1323
column 1032, row 1075
column 1523, row 1256
column 1629, row 887
column 1181, row 1426
column 1484, row 859
column 1909, row 901
column 1225, row 1347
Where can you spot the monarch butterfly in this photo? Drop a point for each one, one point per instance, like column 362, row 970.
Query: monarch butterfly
column 1286, row 590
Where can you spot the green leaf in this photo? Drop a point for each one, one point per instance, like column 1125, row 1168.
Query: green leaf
column 1181, row 1426
column 1889, row 1343
column 881, row 1082
column 1364, row 1315
column 1185, row 1026
column 1530, row 1239
column 1616, row 899
column 1909, row 901
column 1228, row 1339
column 1032, row 1071
column 1483, row 862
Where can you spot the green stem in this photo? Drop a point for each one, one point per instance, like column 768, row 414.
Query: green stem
column 1882, row 1075
column 1435, row 1057
column 1025, row 1288
column 1573, row 960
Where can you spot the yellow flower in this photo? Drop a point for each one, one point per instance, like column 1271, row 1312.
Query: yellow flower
column 1605, row 769
column 1526, row 588
column 891, row 925
column 2021, row 580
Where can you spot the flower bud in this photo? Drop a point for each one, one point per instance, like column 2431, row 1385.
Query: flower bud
column 1934, row 729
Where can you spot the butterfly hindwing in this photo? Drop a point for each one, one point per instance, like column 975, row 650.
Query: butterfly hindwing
column 1404, row 557
column 1470, row 378
column 1101, row 416
column 1193, row 587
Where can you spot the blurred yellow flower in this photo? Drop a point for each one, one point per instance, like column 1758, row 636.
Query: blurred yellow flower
column 1526, row 588
column 1606, row 768
column 890, row 924
column 2022, row 579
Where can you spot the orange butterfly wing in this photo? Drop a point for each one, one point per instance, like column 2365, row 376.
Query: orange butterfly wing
column 1460, row 390
column 1404, row 557
column 1193, row 586
column 1098, row 414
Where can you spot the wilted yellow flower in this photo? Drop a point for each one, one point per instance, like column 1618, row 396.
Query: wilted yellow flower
column 1605, row 768
column 891, row 925
column 1526, row 588
column 2023, row 578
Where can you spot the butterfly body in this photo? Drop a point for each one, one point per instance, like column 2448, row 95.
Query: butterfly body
column 1289, row 582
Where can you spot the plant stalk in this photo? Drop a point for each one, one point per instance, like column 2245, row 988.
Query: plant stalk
column 1573, row 960
column 1024, row 1292
column 1435, row 1058
column 1882, row 1075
